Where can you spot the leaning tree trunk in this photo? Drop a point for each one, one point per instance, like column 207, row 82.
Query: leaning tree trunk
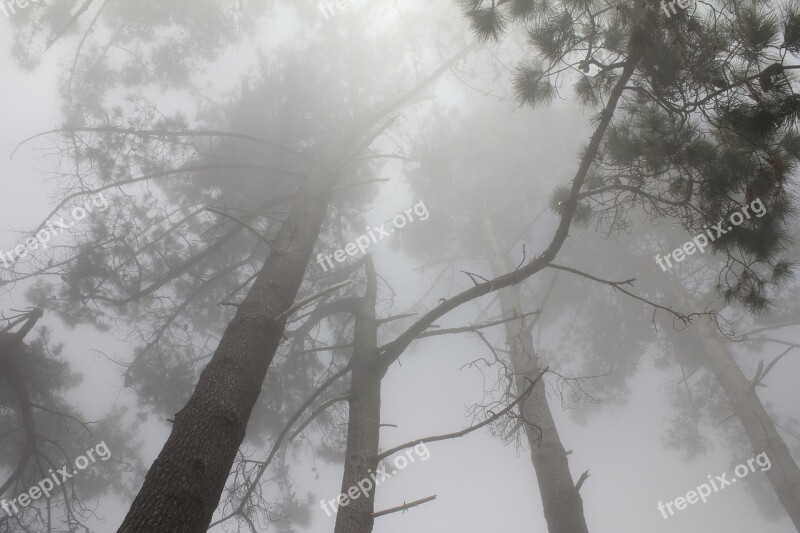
column 784, row 475
column 182, row 488
column 363, row 424
column 563, row 505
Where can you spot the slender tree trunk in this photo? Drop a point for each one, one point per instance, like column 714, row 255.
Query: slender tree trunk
column 183, row 486
column 563, row 505
column 784, row 475
column 363, row 425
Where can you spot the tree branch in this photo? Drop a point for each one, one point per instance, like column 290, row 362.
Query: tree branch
column 246, row 225
column 318, row 410
column 404, row 507
column 305, row 301
column 473, row 328
column 468, row 430
column 394, row 349
column 617, row 285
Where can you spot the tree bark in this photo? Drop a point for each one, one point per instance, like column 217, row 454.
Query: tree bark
column 784, row 474
column 563, row 505
column 182, row 488
column 363, row 424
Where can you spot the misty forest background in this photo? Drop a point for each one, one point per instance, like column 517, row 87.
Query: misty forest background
column 558, row 146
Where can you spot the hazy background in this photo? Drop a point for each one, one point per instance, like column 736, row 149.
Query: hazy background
column 481, row 484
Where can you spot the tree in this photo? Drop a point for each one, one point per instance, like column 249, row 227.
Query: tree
column 45, row 435
column 247, row 188
column 701, row 143
column 152, row 258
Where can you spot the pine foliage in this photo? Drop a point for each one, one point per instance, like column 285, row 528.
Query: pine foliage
column 708, row 124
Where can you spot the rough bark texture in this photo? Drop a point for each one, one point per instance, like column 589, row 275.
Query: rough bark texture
column 183, row 486
column 563, row 505
column 363, row 425
column 784, row 475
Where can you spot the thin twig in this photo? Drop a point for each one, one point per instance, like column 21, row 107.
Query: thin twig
column 320, row 408
column 404, row 507
column 473, row 328
column 347, row 185
column 246, row 225
column 618, row 285
column 761, row 374
column 468, row 430
column 305, row 301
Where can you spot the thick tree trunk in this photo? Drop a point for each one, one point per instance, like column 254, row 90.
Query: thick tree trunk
column 183, row 486
column 363, row 425
column 784, row 475
column 563, row 505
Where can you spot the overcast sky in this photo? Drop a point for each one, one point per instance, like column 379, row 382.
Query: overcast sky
column 481, row 485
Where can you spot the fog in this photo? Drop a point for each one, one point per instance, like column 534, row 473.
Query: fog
column 347, row 266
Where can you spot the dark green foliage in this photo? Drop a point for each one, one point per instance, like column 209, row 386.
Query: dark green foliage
column 707, row 127
column 758, row 29
column 531, row 86
column 522, row 10
column 590, row 90
column 487, row 23
column 759, row 120
column 791, row 30
column 583, row 211
column 553, row 35
column 585, row 91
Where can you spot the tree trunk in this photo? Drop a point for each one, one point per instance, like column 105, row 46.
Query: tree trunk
column 363, row 424
column 784, row 475
column 183, row 486
column 563, row 505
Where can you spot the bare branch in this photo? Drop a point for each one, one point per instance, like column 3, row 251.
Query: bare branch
column 581, row 479
column 305, row 301
column 246, row 225
column 320, row 408
column 617, row 285
column 475, row 327
column 468, row 430
column 167, row 133
column 348, row 185
column 404, row 507
column 762, row 372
